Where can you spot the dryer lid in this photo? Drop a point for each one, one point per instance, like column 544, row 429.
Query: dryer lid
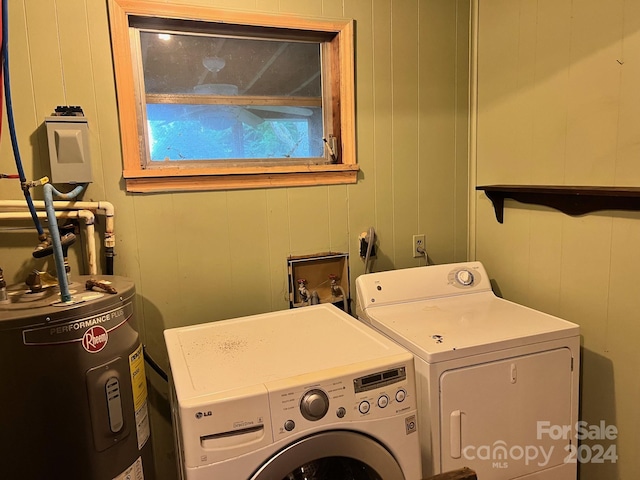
column 454, row 327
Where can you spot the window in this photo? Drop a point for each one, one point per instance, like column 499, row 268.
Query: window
column 212, row 99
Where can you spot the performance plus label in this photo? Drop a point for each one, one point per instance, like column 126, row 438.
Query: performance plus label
column 76, row 330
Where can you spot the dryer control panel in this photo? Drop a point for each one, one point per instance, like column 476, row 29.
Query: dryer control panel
column 420, row 283
column 380, row 393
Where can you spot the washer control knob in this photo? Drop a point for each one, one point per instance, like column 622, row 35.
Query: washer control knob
column 289, row 425
column 464, row 277
column 314, row 405
column 401, row 395
column 364, row 407
column 383, row 401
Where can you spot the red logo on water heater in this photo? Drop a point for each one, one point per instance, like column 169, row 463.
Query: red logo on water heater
column 95, row 339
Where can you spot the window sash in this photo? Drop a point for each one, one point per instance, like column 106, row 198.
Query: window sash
column 338, row 104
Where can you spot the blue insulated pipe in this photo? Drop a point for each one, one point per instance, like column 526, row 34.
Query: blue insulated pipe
column 58, row 255
column 10, row 120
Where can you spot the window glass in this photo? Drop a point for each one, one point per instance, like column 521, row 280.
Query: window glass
column 212, row 97
column 210, row 132
column 221, row 65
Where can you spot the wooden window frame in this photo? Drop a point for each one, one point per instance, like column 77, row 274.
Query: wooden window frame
column 338, row 51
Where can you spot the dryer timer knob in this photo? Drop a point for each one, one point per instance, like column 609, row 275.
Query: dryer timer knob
column 464, row 277
column 314, row 405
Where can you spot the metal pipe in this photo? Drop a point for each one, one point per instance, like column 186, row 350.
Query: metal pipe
column 106, row 208
column 89, row 221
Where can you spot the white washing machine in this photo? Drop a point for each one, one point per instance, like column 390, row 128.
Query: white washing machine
column 497, row 382
column 308, row 393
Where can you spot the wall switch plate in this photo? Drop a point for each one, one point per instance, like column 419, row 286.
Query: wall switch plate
column 419, row 241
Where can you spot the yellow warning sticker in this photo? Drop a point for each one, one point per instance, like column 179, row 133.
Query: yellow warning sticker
column 139, row 387
column 138, row 378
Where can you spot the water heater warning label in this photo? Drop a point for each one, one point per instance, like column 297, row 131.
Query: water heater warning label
column 134, row 472
column 139, row 386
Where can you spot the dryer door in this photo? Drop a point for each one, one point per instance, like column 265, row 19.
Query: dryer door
column 332, row 455
column 492, row 412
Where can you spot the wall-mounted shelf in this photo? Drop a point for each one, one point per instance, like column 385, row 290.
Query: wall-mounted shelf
column 572, row 200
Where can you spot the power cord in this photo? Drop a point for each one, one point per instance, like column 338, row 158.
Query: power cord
column 369, row 239
column 424, row 253
column 154, row 365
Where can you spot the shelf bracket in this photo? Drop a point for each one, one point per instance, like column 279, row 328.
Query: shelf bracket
column 571, row 200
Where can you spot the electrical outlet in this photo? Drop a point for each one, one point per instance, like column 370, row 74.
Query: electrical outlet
column 419, row 241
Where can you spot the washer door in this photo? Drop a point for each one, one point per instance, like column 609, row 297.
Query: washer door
column 333, row 455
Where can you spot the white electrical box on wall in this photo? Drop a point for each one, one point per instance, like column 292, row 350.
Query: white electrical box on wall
column 68, row 137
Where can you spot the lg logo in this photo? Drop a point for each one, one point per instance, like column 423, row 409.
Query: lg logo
column 199, row 415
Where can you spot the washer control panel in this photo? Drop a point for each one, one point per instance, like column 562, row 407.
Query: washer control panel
column 377, row 394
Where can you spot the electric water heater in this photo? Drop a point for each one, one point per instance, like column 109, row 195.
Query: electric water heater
column 73, row 392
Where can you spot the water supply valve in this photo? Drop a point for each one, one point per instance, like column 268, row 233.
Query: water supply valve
column 335, row 288
column 302, row 290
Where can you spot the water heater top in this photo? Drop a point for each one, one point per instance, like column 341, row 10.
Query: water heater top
column 26, row 308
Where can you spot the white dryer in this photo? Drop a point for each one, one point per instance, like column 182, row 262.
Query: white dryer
column 497, row 381
column 308, row 393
